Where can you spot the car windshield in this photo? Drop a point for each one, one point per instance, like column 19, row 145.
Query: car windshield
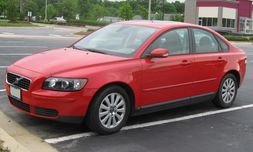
column 116, row 39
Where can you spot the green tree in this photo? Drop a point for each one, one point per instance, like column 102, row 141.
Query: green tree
column 125, row 11
column 83, row 7
column 142, row 11
column 69, row 9
column 177, row 17
column 31, row 5
column 97, row 11
column 51, row 11
column 112, row 11
column 159, row 15
column 170, row 8
column 179, row 7
column 12, row 10
column 2, row 6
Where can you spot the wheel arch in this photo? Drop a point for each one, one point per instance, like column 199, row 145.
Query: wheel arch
column 236, row 74
column 123, row 85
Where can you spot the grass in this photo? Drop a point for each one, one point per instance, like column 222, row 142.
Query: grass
column 1, row 147
column 85, row 32
column 6, row 23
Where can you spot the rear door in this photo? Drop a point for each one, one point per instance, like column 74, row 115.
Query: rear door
column 209, row 62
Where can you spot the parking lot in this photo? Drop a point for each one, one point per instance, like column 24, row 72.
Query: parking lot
column 194, row 128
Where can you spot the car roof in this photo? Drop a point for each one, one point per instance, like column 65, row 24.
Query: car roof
column 157, row 24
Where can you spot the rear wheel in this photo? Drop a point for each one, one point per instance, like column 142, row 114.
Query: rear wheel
column 109, row 110
column 227, row 92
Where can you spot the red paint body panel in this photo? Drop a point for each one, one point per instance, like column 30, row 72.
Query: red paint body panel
column 166, row 79
column 152, row 81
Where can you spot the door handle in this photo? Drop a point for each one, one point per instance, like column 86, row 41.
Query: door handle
column 220, row 59
column 185, row 62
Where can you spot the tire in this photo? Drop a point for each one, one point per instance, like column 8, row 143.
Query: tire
column 227, row 92
column 103, row 114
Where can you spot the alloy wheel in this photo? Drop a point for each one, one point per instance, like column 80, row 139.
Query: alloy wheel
column 112, row 110
column 228, row 90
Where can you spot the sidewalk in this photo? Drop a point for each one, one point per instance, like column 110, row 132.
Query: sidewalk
column 18, row 139
column 9, row 143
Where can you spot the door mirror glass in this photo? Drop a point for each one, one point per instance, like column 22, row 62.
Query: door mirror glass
column 159, row 53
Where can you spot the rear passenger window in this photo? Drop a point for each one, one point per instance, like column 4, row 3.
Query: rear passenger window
column 224, row 46
column 205, row 41
column 176, row 41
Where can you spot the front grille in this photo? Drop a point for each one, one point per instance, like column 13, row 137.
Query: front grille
column 19, row 104
column 46, row 112
column 19, row 81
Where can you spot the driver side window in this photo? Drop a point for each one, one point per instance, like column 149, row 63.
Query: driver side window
column 176, row 41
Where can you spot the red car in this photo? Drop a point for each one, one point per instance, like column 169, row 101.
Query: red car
column 125, row 69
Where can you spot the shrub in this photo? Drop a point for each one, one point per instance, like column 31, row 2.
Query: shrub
column 88, row 22
column 251, row 38
column 238, row 38
column 78, row 23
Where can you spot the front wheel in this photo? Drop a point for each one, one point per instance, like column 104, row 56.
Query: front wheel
column 109, row 110
column 227, row 92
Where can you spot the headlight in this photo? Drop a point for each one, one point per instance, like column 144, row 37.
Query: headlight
column 64, row 84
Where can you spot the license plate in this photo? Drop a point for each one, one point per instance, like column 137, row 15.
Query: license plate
column 15, row 92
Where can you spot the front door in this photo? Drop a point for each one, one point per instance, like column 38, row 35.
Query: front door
column 170, row 78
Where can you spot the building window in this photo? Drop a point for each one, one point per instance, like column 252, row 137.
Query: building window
column 215, row 21
column 242, row 25
column 233, row 23
column 230, row 23
column 207, row 21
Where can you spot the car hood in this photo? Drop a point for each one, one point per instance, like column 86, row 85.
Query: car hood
column 65, row 59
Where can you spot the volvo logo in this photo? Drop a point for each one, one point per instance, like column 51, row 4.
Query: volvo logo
column 17, row 81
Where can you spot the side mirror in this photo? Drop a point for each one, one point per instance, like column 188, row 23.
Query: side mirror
column 159, row 53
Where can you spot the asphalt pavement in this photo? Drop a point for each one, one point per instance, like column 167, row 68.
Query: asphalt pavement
column 48, row 30
column 194, row 128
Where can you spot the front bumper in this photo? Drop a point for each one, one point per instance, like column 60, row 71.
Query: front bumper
column 62, row 106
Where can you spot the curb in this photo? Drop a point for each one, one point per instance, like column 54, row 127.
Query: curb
column 241, row 42
column 15, row 137
column 10, row 143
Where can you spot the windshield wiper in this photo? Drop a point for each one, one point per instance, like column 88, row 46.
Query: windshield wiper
column 74, row 47
column 94, row 50
column 88, row 49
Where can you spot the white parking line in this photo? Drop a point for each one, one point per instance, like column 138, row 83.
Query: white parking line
column 22, row 46
column 15, row 54
column 3, row 67
column 8, row 33
column 70, row 137
column 2, row 90
column 149, row 124
column 12, row 41
column 55, row 35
